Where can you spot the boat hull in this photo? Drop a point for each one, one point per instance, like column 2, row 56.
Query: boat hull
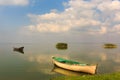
column 67, row 72
column 91, row 69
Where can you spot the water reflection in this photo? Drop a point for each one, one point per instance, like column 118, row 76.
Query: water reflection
column 37, row 63
column 67, row 72
column 20, row 50
column 61, row 48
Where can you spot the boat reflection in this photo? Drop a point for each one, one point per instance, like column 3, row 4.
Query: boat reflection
column 20, row 50
column 67, row 72
column 61, row 48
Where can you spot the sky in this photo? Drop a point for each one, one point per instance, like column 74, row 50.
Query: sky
column 32, row 21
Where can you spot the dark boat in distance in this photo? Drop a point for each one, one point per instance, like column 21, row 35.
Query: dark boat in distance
column 61, row 45
column 110, row 45
column 20, row 49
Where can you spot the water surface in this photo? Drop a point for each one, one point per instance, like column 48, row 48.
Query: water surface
column 36, row 63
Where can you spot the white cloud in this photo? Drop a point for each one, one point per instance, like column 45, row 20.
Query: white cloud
column 94, row 17
column 109, row 5
column 48, row 28
column 116, row 29
column 54, row 22
column 13, row 2
column 101, row 30
column 117, row 17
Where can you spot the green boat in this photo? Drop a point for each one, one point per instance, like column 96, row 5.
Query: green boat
column 74, row 65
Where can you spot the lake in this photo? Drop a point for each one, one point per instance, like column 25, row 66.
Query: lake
column 36, row 62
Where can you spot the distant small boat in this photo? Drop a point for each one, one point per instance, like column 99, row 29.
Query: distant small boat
column 20, row 49
column 74, row 66
column 110, row 45
column 61, row 45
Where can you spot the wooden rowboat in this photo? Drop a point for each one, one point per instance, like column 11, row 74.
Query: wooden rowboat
column 74, row 66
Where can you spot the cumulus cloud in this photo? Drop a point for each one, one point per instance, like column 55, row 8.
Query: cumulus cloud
column 116, row 29
column 117, row 17
column 92, row 16
column 109, row 5
column 13, row 2
column 102, row 30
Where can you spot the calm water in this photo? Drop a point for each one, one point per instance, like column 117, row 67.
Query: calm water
column 36, row 63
